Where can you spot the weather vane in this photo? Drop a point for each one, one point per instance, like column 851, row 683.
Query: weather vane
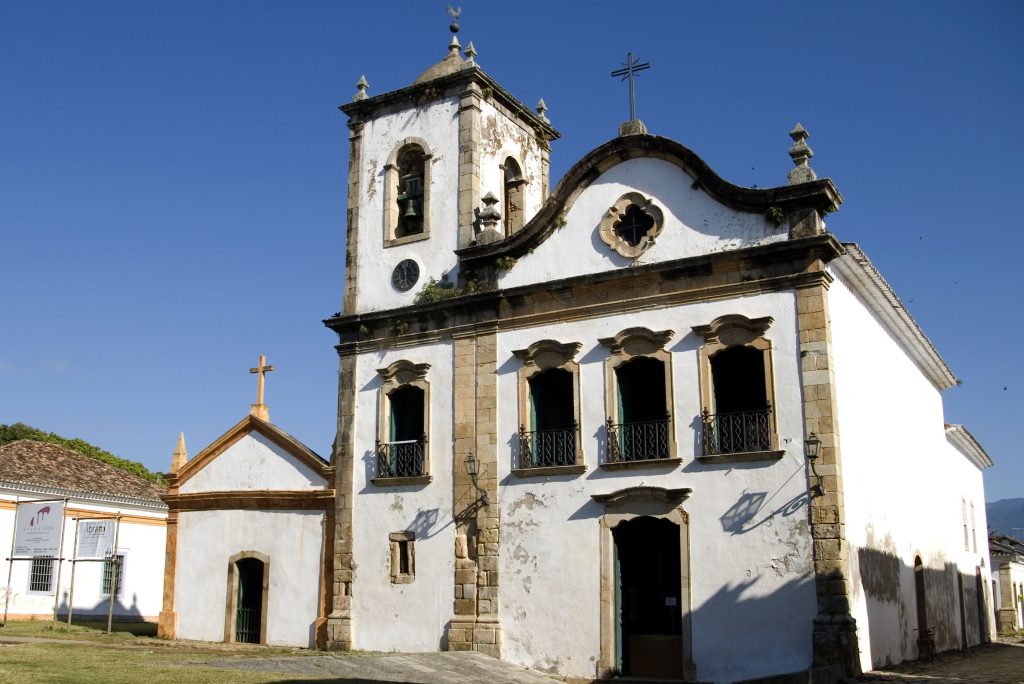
column 454, row 28
column 628, row 72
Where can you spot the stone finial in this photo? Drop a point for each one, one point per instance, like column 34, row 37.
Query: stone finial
column 180, row 455
column 362, row 85
column 454, row 46
column 542, row 109
column 489, row 218
column 470, row 54
column 801, row 153
column 489, row 215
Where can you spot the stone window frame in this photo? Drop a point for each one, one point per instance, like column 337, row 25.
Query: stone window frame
column 397, row 541
column 391, row 179
column 963, row 514
column 541, row 356
column 974, row 531
column 725, row 332
column 231, row 605
column 403, row 373
column 629, row 344
column 617, row 212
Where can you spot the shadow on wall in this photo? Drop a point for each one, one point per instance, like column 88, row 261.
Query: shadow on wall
column 123, row 611
column 903, row 601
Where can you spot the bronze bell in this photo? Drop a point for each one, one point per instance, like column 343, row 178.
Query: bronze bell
column 410, row 209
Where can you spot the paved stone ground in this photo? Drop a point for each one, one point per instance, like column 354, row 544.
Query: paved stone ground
column 996, row 663
column 419, row 668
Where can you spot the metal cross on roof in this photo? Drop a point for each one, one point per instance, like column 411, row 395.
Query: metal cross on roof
column 628, row 71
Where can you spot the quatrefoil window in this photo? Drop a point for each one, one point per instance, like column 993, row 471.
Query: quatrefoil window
column 631, row 225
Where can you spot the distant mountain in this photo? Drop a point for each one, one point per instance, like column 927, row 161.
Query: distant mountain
column 1006, row 516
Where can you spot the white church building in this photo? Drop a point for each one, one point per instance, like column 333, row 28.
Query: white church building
column 647, row 423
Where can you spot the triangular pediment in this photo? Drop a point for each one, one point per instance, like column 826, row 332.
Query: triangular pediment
column 254, row 455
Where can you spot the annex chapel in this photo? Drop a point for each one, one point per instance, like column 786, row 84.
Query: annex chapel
column 628, row 425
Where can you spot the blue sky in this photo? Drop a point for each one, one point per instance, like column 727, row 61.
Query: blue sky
column 172, row 177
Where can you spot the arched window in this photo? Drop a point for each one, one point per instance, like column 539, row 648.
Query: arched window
column 549, row 409
column 737, row 388
column 410, row 191
column 638, row 400
column 403, row 424
column 513, row 195
column 407, row 193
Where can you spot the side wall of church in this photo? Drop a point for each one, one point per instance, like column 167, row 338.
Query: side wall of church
column 409, row 616
column 436, row 125
column 750, row 545
column 208, row 539
column 695, row 224
column 895, row 452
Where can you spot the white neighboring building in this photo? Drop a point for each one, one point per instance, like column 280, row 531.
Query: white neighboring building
column 654, row 424
column 1007, row 556
column 31, row 470
column 245, row 544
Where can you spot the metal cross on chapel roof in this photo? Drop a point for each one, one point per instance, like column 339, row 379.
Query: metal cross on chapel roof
column 628, row 72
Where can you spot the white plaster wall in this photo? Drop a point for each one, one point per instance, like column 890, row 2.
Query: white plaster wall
column 403, row 617
column 142, row 544
column 903, row 485
column 253, row 463
column 751, row 569
column 436, row 124
column 207, row 539
column 694, row 224
column 501, row 138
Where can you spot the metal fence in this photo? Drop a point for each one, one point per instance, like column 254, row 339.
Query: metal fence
column 738, row 432
column 404, row 458
column 247, row 626
column 638, row 441
column 547, row 448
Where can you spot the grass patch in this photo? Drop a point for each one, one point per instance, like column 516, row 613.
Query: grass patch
column 130, row 654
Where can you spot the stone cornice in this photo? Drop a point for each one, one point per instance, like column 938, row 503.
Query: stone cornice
column 819, row 195
column 313, row 499
column 449, row 85
column 772, row 267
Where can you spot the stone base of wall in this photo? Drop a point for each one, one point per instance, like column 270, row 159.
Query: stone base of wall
column 475, row 634
column 339, row 633
column 1007, row 620
column 167, row 624
column 835, row 643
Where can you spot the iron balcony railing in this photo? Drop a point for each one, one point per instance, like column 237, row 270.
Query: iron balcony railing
column 738, row 432
column 547, row 448
column 638, row 441
column 405, row 458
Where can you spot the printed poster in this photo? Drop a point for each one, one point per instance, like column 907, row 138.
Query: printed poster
column 38, row 530
column 95, row 538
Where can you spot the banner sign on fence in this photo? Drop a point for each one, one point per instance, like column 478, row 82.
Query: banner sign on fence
column 95, row 539
column 39, row 528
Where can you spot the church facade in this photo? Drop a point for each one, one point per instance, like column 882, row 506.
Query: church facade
column 648, row 423
column 634, row 424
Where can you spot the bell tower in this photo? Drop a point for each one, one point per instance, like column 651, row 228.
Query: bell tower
column 450, row 161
